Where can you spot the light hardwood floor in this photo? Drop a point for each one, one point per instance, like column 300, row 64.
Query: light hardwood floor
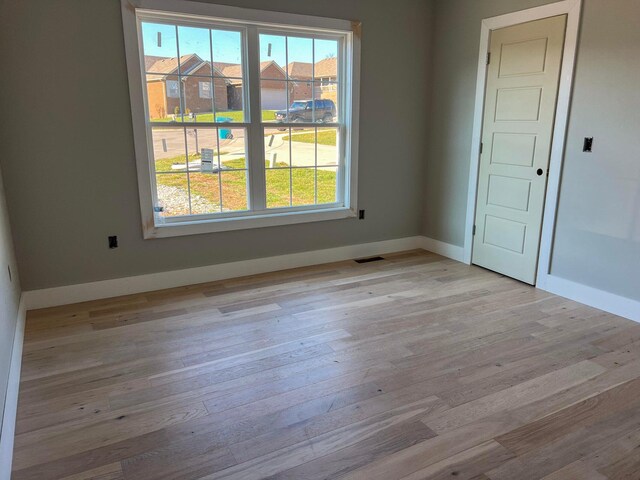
column 414, row 367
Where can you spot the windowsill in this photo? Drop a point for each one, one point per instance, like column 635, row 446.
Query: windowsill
column 245, row 223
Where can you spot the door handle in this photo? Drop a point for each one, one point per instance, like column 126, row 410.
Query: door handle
column 540, row 172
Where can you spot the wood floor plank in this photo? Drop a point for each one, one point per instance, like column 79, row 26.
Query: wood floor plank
column 413, row 367
column 107, row 472
column 568, row 448
column 575, row 471
column 512, row 397
column 291, row 457
column 466, row 465
column 536, row 434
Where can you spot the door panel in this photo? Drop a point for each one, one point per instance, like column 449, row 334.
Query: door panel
column 509, row 192
column 523, row 58
column 520, row 103
column 505, row 234
column 513, row 149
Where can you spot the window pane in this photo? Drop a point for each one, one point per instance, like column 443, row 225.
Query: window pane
column 159, row 103
column 198, row 97
column 300, row 111
column 202, row 144
column 227, row 51
column 300, row 105
column 164, row 98
column 159, row 44
column 328, row 139
column 303, row 187
column 169, row 151
column 234, row 190
column 303, row 147
column 277, row 147
column 233, row 150
column 205, row 193
column 195, row 49
column 229, row 96
column 278, row 187
column 326, row 57
column 300, row 58
column 173, row 194
column 326, row 102
column 327, row 185
column 273, row 100
column 273, row 56
column 228, row 68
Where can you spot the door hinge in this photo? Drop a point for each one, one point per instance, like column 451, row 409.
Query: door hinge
column 474, row 230
column 481, row 147
column 488, row 58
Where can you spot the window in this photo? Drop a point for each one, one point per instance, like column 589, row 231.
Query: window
column 245, row 132
column 205, row 89
column 172, row 89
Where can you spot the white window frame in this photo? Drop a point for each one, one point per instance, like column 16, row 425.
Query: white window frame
column 253, row 21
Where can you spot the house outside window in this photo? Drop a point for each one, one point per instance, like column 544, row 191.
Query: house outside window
column 258, row 123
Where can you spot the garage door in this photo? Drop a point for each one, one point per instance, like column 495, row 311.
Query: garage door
column 273, row 98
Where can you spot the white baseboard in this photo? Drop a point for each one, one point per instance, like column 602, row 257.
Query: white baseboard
column 51, row 297
column 609, row 302
column 11, row 402
column 448, row 250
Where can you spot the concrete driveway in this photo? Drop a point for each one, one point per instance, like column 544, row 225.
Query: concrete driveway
column 170, row 142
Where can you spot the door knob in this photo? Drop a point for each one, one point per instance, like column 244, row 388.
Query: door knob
column 540, row 172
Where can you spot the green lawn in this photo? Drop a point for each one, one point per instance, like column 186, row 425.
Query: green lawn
column 234, row 184
column 325, row 137
column 235, row 116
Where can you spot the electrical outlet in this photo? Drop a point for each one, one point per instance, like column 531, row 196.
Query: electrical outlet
column 113, row 241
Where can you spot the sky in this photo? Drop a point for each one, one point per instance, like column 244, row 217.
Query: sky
column 160, row 40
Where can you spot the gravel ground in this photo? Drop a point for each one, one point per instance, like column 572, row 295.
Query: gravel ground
column 176, row 202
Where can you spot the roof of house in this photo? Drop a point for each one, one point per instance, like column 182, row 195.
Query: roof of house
column 161, row 67
column 150, row 60
column 166, row 66
column 229, row 69
column 327, row 68
column 324, row 68
column 233, row 71
column 300, row 70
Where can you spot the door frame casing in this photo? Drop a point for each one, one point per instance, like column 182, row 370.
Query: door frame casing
column 571, row 8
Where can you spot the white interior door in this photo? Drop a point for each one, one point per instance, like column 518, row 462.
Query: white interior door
column 519, row 112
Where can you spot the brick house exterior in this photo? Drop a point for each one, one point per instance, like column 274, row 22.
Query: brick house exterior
column 326, row 74
column 301, row 87
column 164, row 85
column 318, row 82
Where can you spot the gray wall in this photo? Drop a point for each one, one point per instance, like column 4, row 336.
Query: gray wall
column 598, row 230
column 68, row 152
column 598, row 235
column 9, row 299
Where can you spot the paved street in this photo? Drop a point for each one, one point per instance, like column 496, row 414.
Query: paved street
column 170, row 142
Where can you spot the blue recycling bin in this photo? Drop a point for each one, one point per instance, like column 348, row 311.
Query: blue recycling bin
column 224, row 133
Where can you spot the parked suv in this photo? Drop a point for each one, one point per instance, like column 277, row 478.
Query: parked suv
column 302, row 111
